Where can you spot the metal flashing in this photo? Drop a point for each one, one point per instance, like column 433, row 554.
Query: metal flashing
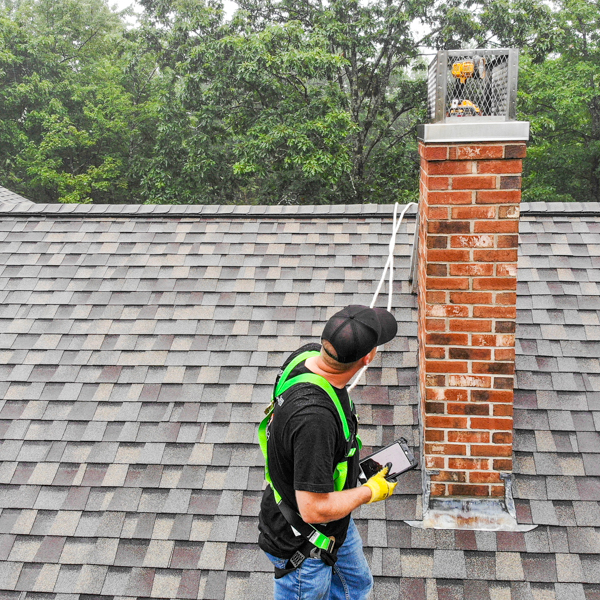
column 474, row 514
column 474, row 131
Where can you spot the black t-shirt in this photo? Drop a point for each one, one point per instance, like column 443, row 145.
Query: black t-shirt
column 306, row 442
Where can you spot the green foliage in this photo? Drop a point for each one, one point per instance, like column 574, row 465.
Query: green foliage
column 561, row 97
column 290, row 101
column 70, row 115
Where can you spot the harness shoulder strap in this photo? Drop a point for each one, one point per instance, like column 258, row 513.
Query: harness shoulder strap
column 326, row 387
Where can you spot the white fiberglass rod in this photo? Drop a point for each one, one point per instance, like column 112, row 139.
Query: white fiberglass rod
column 388, row 265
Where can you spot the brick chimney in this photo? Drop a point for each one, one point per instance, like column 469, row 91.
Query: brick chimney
column 467, row 282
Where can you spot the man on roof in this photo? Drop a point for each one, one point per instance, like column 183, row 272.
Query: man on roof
column 311, row 448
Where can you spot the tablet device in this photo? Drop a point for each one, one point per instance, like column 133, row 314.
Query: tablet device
column 397, row 453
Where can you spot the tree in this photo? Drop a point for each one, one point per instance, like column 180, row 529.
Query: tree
column 560, row 95
column 70, row 111
column 292, row 101
column 307, row 103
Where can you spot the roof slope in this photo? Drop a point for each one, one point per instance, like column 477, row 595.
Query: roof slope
column 138, row 346
column 8, row 198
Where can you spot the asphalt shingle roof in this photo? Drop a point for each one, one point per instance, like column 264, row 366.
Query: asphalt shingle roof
column 138, row 346
column 8, row 198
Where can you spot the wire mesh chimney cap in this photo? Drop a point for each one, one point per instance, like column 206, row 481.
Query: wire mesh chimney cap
column 473, row 85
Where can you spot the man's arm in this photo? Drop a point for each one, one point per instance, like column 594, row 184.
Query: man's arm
column 323, row 508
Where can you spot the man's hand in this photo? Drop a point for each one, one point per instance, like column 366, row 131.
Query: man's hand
column 380, row 487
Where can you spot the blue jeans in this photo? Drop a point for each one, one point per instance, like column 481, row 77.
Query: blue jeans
column 350, row 578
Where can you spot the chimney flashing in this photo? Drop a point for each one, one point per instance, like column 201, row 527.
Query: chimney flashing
column 469, row 513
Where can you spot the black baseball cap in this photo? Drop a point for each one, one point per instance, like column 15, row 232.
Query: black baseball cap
column 355, row 330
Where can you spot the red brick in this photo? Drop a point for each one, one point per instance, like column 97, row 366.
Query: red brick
column 493, row 340
column 509, row 212
column 463, row 489
column 491, row 450
column 500, row 166
column 433, row 152
column 497, row 490
column 469, row 381
column 491, row 396
column 495, row 312
column 445, row 449
column 437, row 269
column 472, row 270
column 456, row 476
column 445, row 366
column 437, row 241
column 449, row 227
column 503, row 464
column 504, row 383
column 483, row 340
column 470, row 325
column 508, row 270
column 447, row 394
column 436, row 297
column 447, row 339
column 491, row 423
column 484, row 477
column 508, row 241
column 493, row 368
column 459, row 408
column 478, row 152
column 437, row 183
column 494, row 283
column 472, row 241
column 509, row 182
column 495, row 255
column 506, row 298
column 469, row 464
column 515, row 151
column 496, row 226
column 435, row 352
column 448, row 310
column 434, row 462
column 447, row 283
column 503, row 410
column 474, row 182
column 505, row 327
column 435, row 380
column 473, row 212
column 498, row 197
column 470, row 353
column 450, row 167
column 470, row 297
column 448, row 255
column 469, row 437
column 436, row 198
column 435, row 324
column 445, row 422
column 438, row 213
column 438, row 489
column 435, row 408
column 434, row 435
column 504, row 354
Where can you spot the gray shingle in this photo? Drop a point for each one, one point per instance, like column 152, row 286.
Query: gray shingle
column 105, row 410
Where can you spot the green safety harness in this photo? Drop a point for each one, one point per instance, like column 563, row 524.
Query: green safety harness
column 319, row 545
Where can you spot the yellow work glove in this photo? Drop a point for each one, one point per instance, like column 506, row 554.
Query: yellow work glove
column 380, row 487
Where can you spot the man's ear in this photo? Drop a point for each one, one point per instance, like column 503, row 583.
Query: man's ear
column 366, row 360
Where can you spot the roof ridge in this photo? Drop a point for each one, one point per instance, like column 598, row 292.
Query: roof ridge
column 16, row 205
column 565, row 208
column 205, row 210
